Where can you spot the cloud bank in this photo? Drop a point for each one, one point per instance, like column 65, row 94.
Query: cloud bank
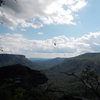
column 36, row 13
column 60, row 46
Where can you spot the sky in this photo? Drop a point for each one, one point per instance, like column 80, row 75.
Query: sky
column 49, row 28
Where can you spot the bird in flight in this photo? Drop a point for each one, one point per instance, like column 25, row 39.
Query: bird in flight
column 55, row 44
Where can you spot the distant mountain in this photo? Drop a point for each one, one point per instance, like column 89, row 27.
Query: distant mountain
column 74, row 64
column 38, row 59
column 10, row 59
column 89, row 56
column 48, row 62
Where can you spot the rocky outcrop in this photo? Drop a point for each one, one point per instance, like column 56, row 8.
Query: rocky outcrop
column 20, row 76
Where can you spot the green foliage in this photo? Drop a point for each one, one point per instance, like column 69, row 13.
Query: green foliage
column 5, row 94
column 90, row 80
column 90, row 77
column 25, row 94
column 18, row 82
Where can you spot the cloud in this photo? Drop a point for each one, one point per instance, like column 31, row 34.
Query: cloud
column 36, row 13
column 54, row 47
column 40, row 33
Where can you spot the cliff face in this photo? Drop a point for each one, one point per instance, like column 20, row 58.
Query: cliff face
column 10, row 59
column 7, row 56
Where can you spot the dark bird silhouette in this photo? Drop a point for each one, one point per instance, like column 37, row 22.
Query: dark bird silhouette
column 55, row 44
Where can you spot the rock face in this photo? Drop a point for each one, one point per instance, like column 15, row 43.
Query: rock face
column 21, row 76
column 12, row 59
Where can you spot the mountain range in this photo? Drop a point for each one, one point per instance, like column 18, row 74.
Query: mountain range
column 54, row 68
column 35, row 63
column 72, row 65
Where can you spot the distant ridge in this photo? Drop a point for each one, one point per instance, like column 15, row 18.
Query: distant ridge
column 88, row 55
column 10, row 59
column 4, row 54
column 48, row 62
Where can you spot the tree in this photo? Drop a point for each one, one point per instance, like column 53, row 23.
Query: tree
column 89, row 79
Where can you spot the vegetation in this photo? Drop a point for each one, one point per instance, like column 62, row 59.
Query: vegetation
column 19, row 82
column 89, row 79
column 72, row 65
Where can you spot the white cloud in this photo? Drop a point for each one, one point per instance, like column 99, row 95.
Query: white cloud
column 40, row 12
column 54, row 47
column 40, row 33
column 78, row 5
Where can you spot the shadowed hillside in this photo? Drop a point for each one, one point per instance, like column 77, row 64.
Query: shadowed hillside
column 20, row 76
column 72, row 65
column 18, row 82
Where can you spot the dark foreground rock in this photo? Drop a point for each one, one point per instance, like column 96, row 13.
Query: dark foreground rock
column 20, row 76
